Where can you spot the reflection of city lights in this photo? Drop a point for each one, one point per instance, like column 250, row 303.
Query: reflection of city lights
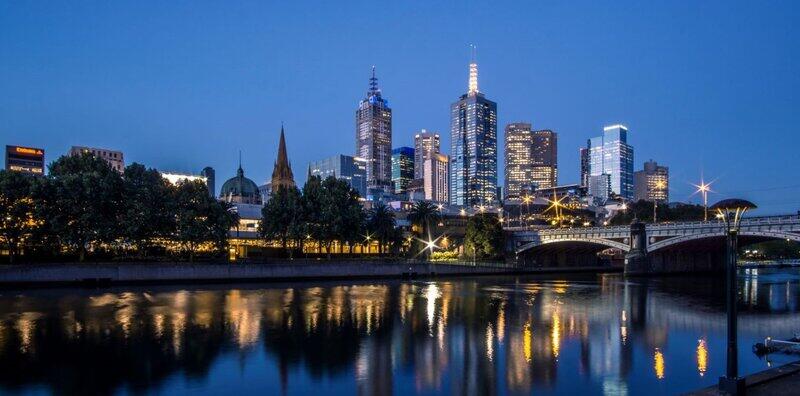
column 431, row 294
column 501, row 324
column 658, row 364
column 526, row 341
column 702, row 357
column 623, row 333
column 489, row 342
column 555, row 335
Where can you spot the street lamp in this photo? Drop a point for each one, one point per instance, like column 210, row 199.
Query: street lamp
column 660, row 185
column 730, row 211
column 703, row 188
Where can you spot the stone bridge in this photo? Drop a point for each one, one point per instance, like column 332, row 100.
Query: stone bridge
column 669, row 247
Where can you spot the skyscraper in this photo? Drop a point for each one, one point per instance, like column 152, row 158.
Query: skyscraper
column 584, row 154
column 344, row 167
column 374, row 135
column 544, row 159
column 652, row 183
column 425, row 144
column 282, row 176
column 211, row 176
column 517, row 159
column 436, row 171
column 473, row 146
column 402, row 168
column 610, row 154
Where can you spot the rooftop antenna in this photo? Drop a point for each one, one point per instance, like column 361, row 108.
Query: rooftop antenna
column 373, row 83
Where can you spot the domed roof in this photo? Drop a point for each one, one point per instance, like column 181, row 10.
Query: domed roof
column 240, row 189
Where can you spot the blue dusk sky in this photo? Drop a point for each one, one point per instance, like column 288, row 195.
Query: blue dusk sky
column 707, row 88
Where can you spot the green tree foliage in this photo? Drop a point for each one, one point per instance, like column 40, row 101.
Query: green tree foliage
column 381, row 225
column 282, row 217
column 17, row 210
column 312, row 208
column 148, row 208
column 421, row 216
column 643, row 210
column 484, row 236
column 84, row 202
column 341, row 216
column 200, row 218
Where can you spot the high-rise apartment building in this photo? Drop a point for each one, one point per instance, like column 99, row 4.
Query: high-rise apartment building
column 652, row 183
column 374, row 135
column 344, row 167
column 612, row 155
column 425, row 144
column 531, row 159
column 517, row 159
column 544, row 159
column 402, row 168
column 112, row 157
column 435, row 177
column 473, row 147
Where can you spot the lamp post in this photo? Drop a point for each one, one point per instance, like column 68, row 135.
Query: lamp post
column 660, row 185
column 730, row 211
column 703, row 188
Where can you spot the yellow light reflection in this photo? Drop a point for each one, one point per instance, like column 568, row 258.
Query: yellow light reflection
column 658, row 364
column 431, row 294
column 526, row 341
column 489, row 342
column 702, row 357
column 555, row 335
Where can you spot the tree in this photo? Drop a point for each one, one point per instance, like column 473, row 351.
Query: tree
column 381, row 225
column 341, row 213
column 643, row 210
column 200, row 218
column 312, row 208
column 84, row 206
column 484, row 236
column 17, row 210
column 421, row 215
column 148, row 207
column 282, row 217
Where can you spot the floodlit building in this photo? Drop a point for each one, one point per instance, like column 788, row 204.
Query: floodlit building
column 374, row 135
column 345, row 167
column 610, row 154
column 25, row 159
column 112, row 157
column 175, row 178
column 435, row 177
column 517, row 159
column 402, row 168
column 544, row 159
column 473, row 146
column 652, row 183
column 425, row 144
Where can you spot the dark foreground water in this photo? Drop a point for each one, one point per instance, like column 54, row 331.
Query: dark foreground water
column 489, row 335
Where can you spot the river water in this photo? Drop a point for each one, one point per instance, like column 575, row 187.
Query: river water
column 582, row 334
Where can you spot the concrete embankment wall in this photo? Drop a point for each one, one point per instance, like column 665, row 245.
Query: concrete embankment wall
column 221, row 272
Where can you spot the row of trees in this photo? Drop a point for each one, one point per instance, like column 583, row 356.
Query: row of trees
column 83, row 204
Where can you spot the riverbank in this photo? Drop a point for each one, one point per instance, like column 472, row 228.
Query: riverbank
column 156, row 272
column 782, row 380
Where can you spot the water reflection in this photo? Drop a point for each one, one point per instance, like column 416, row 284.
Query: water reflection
column 478, row 336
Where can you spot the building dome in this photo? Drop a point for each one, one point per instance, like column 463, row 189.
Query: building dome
column 240, row 189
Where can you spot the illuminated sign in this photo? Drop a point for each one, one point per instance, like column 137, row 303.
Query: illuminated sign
column 25, row 159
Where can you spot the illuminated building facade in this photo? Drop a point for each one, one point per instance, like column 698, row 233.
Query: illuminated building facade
column 473, row 147
column 112, row 157
column 402, row 168
column 25, row 159
column 374, row 135
column 584, row 154
column 544, row 159
column 425, row 144
column 175, row 178
column 435, row 177
column 611, row 154
column 345, row 167
column 517, row 159
column 652, row 183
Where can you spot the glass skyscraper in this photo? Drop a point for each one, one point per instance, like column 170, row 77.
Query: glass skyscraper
column 425, row 144
column 402, row 168
column 473, row 147
column 610, row 154
column 374, row 135
column 517, row 159
column 351, row 169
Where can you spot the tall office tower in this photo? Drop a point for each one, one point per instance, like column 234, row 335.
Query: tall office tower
column 652, row 183
column 282, row 176
column 425, row 144
column 343, row 167
column 584, row 153
column 612, row 155
column 210, row 175
column 544, row 159
column 112, row 157
column 402, row 168
column 517, row 159
column 435, row 175
column 374, row 135
column 28, row 160
column 473, row 146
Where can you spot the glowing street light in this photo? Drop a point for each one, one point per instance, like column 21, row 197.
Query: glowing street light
column 704, row 188
column 660, row 186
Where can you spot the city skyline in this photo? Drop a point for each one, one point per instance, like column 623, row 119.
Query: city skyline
column 110, row 111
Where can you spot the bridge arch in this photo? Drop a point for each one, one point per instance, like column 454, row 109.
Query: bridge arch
column 753, row 236
column 600, row 242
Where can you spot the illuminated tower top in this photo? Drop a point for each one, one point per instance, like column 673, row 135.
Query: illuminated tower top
column 473, row 73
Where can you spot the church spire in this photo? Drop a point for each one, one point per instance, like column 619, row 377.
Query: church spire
column 282, row 172
column 473, row 72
